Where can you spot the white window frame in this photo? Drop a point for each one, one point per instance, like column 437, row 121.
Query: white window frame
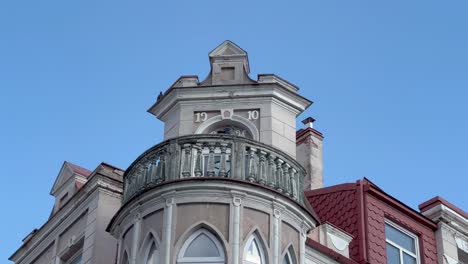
column 260, row 246
column 400, row 248
column 215, row 260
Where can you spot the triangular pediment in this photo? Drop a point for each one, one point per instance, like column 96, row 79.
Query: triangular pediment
column 229, row 52
column 227, row 48
column 67, row 171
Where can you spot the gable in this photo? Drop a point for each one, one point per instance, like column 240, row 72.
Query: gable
column 227, row 48
column 67, row 171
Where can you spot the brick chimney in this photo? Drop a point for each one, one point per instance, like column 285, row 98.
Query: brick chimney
column 309, row 144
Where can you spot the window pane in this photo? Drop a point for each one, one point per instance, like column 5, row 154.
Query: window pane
column 399, row 238
column 286, row 259
column 76, row 260
column 125, row 258
column 407, row 259
column 202, row 246
column 393, row 255
column 152, row 255
column 462, row 255
column 253, row 254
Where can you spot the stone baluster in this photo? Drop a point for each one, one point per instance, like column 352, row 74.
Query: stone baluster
column 211, row 160
column 154, row 169
column 262, row 174
column 199, row 161
column 162, row 168
column 293, row 174
column 187, row 162
column 139, row 177
column 279, row 174
column 222, row 166
column 286, row 179
column 271, row 171
column 145, row 174
column 252, row 166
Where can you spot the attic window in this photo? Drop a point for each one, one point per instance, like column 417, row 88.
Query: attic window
column 227, row 73
column 402, row 245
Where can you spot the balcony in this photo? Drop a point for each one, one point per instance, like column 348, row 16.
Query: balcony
column 217, row 157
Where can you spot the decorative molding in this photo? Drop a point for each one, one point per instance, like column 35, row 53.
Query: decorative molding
column 237, row 201
column 227, row 113
column 276, row 213
column 170, row 202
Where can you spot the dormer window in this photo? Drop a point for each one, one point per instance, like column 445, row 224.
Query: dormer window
column 402, row 245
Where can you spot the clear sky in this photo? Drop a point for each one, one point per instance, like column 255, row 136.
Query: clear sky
column 388, row 79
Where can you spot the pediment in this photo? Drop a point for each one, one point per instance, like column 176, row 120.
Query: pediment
column 67, row 171
column 227, row 48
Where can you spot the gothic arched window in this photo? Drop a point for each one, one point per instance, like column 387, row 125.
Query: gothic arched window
column 202, row 247
column 253, row 251
column 125, row 258
column 153, row 254
column 289, row 257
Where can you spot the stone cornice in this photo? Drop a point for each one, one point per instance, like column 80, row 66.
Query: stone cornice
column 231, row 92
column 215, row 191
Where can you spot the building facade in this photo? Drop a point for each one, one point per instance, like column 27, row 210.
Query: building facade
column 234, row 181
column 75, row 232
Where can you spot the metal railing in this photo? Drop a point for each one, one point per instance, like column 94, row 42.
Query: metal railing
column 219, row 156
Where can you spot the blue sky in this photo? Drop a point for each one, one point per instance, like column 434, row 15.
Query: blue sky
column 389, row 80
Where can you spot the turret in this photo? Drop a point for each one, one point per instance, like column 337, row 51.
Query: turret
column 224, row 186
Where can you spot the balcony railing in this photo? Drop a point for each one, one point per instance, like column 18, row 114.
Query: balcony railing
column 215, row 156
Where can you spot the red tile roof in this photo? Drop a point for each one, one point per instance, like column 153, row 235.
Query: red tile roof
column 79, row 170
column 338, row 205
column 361, row 209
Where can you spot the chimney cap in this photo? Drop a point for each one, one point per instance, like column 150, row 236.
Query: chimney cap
column 308, row 120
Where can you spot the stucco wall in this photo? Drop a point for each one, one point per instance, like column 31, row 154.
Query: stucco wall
column 104, row 244
column 127, row 241
column 253, row 218
column 153, row 222
column 289, row 236
column 45, row 257
column 75, row 230
column 215, row 214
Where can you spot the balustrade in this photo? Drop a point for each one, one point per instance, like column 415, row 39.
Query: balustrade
column 219, row 156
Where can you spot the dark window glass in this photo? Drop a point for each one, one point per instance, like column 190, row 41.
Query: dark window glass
column 462, row 256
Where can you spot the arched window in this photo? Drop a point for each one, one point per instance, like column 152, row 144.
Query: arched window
column 253, row 251
column 202, row 247
column 289, row 257
column 153, row 254
column 125, row 258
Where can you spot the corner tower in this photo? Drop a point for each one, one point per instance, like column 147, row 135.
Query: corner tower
column 224, row 186
column 229, row 102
